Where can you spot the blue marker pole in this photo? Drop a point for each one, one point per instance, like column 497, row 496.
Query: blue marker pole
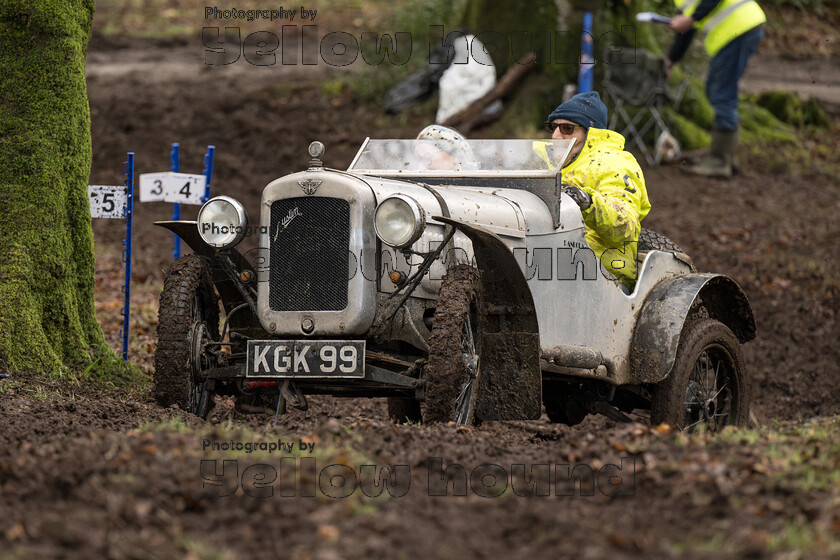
column 128, row 170
column 208, row 171
column 587, row 56
column 175, row 167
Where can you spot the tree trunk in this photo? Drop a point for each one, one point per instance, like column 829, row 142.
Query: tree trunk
column 614, row 26
column 511, row 29
column 47, row 318
column 467, row 117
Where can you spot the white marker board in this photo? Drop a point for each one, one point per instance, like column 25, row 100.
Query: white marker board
column 183, row 188
column 107, row 201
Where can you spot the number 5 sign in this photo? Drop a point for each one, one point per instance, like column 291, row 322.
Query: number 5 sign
column 182, row 188
column 107, row 201
column 117, row 202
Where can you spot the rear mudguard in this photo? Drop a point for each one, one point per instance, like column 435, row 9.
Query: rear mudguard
column 663, row 317
column 225, row 284
column 511, row 386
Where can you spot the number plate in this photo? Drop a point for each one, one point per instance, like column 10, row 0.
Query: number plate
column 307, row 359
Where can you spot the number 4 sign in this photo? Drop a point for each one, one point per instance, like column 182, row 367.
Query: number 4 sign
column 182, row 188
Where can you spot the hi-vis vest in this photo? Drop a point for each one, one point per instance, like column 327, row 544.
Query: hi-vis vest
column 731, row 19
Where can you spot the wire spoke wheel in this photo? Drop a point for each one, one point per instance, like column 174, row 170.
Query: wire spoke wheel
column 465, row 403
column 200, row 361
column 708, row 397
column 188, row 319
column 453, row 374
column 708, row 386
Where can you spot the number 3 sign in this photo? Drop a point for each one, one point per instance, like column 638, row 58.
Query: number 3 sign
column 182, row 188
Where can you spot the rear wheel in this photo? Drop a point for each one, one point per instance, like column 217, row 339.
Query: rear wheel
column 708, row 384
column 188, row 319
column 653, row 241
column 561, row 405
column 453, row 374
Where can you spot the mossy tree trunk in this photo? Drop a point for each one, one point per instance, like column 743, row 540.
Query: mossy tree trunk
column 47, row 318
column 509, row 21
column 558, row 61
column 563, row 19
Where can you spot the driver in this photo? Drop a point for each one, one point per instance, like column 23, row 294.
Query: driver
column 446, row 149
column 604, row 180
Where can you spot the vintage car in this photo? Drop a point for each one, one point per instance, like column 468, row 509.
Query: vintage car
column 462, row 293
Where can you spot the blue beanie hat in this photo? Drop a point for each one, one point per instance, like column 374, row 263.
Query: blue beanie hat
column 585, row 109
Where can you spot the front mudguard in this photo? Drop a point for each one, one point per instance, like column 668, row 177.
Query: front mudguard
column 666, row 309
column 227, row 283
column 511, row 388
column 188, row 231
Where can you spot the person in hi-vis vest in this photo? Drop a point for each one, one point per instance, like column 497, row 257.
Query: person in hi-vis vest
column 733, row 30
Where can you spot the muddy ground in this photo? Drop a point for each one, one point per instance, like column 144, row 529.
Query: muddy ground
column 90, row 471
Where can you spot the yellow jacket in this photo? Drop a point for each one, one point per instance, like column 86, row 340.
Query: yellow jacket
column 613, row 179
column 729, row 20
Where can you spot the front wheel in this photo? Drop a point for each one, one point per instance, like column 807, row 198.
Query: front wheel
column 453, row 374
column 188, row 321
column 708, row 385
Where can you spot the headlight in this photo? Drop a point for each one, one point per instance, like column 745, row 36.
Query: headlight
column 222, row 222
column 399, row 221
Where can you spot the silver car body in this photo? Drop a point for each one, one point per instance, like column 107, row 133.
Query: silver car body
column 578, row 304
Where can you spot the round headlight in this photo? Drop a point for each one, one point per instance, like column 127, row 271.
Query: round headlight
column 222, row 222
column 399, row 221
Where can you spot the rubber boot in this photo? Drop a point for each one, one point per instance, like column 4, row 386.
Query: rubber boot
column 718, row 162
column 735, row 165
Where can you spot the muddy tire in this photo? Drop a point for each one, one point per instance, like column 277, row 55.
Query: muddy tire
column 188, row 318
column 708, row 384
column 653, row 241
column 650, row 240
column 453, row 374
column 561, row 408
column 402, row 410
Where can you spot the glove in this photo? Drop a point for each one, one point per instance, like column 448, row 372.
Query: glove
column 580, row 196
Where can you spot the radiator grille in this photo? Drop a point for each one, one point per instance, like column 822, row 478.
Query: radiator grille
column 309, row 255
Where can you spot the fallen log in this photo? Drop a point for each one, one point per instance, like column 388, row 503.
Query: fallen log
column 470, row 116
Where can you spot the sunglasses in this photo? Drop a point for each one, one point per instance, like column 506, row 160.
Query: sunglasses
column 565, row 128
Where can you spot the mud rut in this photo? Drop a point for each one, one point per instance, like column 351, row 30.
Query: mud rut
column 77, row 479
